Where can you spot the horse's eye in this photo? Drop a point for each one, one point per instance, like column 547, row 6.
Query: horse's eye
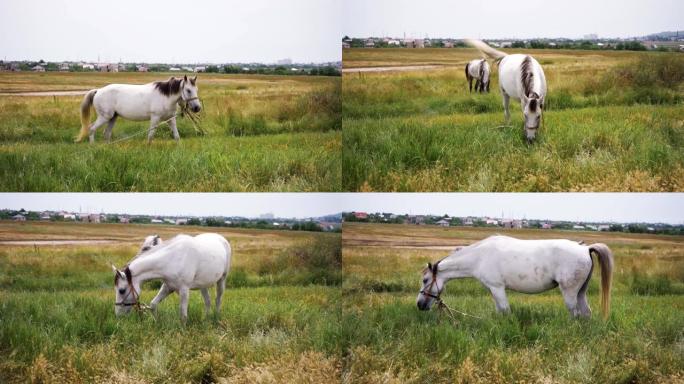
column 146, row 249
column 122, row 290
column 424, row 281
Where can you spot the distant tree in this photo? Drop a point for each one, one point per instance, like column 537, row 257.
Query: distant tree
column 194, row 221
column 518, row 44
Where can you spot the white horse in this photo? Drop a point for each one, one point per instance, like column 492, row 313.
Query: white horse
column 527, row 266
column 155, row 102
column 183, row 263
column 478, row 70
column 520, row 77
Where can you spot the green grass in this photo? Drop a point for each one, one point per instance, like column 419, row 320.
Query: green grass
column 388, row 340
column 57, row 322
column 263, row 133
column 613, row 123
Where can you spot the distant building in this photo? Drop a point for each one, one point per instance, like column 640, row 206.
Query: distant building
column 89, row 217
column 108, row 67
column 394, row 42
column 64, row 67
column 443, row 223
column 361, row 215
column 511, row 223
column 448, row 44
column 156, row 221
column 345, row 45
column 578, row 227
column 414, row 43
column 468, row 222
column 489, row 221
column 174, row 69
column 38, row 68
column 199, row 69
column 67, row 216
column 87, row 67
column 546, row 226
column 19, row 218
column 188, row 69
column 142, row 68
column 370, row 43
column 124, row 220
column 604, row 227
column 45, row 216
column 181, row 221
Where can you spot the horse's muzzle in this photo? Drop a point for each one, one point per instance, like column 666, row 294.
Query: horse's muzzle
column 196, row 108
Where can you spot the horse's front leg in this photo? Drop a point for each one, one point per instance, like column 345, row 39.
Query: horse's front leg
column 500, row 299
column 154, row 122
column 506, row 103
column 174, row 130
column 184, row 294
column 164, row 291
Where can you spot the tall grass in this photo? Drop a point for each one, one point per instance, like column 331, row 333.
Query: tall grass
column 263, row 134
column 387, row 339
column 57, row 322
column 604, row 129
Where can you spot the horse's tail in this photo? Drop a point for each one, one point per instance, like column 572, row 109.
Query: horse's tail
column 486, row 49
column 85, row 114
column 605, row 259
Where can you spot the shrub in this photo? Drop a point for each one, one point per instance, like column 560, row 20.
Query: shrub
column 317, row 261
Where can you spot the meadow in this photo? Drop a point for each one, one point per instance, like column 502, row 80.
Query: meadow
column 261, row 133
column 279, row 320
column 613, row 122
column 389, row 340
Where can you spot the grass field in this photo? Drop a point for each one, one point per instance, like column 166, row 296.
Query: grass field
column 264, row 133
column 390, row 341
column 279, row 321
column 613, row 122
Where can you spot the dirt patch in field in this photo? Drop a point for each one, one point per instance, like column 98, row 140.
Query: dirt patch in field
column 58, row 242
column 45, row 93
column 393, row 68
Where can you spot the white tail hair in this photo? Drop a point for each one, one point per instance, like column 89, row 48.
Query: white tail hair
column 85, row 114
column 486, row 49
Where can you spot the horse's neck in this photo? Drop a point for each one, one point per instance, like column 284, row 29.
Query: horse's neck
column 457, row 266
column 147, row 266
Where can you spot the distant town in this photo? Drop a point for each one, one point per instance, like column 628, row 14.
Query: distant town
column 281, row 67
column 329, row 223
column 663, row 41
column 486, row 221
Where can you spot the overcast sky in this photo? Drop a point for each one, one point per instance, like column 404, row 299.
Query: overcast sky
column 510, row 19
column 172, row 204
column 619, row 207
column 171, row 30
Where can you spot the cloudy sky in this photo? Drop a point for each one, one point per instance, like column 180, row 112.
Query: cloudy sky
column 195, row 204
column 171, row 30
column 510, row 19
column 620, row 207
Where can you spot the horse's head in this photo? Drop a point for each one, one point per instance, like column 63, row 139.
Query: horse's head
column 150, row 242
column 432, row 287
column 533, row 113
column 189, row 93
column 126, row 292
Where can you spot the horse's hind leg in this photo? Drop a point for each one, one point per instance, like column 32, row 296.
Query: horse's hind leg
column 582, row 304
column 95, row 125
column 220, row 287
column 570, row 293
column 110, row 126
column 184, row 294
column 207, row 300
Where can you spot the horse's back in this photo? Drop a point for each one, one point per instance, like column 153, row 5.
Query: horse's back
column 510, row 75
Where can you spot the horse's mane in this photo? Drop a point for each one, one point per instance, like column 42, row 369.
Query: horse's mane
column 526, row 75
column 168, row 87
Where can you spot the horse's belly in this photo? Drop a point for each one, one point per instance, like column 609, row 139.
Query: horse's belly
column 531, row 286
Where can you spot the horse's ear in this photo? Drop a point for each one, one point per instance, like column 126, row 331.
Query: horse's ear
column 129, row 277
column 193, row 80
column 429, row 266
column 156, row 240
column 114, row 269
column 185, row 77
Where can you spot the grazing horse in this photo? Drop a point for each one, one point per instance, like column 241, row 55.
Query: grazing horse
column 527, row 266
column 520, row 77
column 155, row 102
column 182, row 263
column 478, row 70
